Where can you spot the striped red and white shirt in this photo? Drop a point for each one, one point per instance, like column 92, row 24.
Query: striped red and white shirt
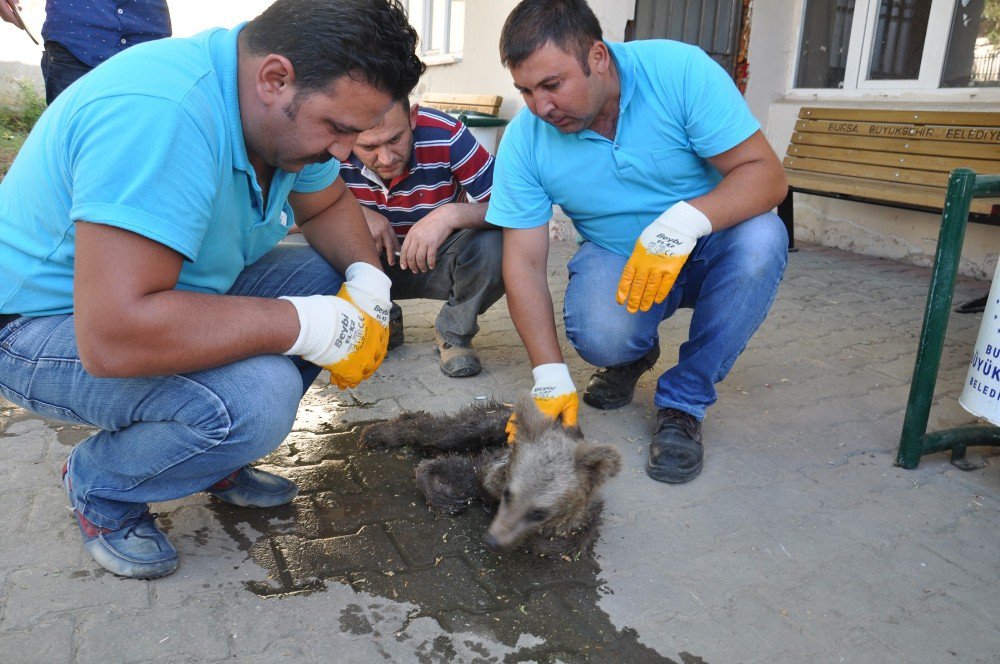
column 447, row 165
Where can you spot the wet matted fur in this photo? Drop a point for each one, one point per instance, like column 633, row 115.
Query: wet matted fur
column 546, row 486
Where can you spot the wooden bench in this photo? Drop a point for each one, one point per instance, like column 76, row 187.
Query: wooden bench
column 895, row 158
column 486, row 104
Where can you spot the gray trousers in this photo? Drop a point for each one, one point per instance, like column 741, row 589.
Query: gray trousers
column 467, row 276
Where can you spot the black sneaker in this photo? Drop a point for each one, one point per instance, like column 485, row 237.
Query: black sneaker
column 975, row 306
column 676, row 452
column 395, row 326
column 613, row 387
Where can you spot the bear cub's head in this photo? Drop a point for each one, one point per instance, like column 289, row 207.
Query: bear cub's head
column 552, row 481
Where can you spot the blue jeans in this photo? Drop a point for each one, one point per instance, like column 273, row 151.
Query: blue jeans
column 729, row 281
column 164, row 437
column 60, row 69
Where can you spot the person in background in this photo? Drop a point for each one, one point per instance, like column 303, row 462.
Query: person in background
column 82, row 34
column 423, row 180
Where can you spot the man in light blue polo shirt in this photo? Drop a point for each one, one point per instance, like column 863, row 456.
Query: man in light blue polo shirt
column 651, row 151
column 141, row 291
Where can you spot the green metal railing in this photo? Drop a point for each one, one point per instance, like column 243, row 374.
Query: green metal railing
column 963, row 186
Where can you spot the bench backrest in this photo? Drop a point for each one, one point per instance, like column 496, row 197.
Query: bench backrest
column 488, row 104
column 893, row 156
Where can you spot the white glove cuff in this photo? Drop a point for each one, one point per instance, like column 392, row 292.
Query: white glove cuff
column 684, row 217
column 368, row 278
column 319, row 316
column 554, row 375
column 369, row 288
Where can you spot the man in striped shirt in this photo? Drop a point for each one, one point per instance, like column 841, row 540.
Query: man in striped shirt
column 423, row 181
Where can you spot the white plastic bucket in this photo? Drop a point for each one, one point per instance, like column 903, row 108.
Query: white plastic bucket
column 981, row 393
column 487, row 137
column 484, row 128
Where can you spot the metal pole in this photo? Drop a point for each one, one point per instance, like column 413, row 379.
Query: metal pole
column 958, row 200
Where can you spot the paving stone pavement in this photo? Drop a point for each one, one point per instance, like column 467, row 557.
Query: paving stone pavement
column 800, row 541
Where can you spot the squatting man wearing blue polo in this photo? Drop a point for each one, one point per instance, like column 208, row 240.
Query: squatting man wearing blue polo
column 651, row 151
column 141, row 290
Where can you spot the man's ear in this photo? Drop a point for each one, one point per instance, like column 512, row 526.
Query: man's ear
column 414, row 113
column 275, row 78
column 599, row 57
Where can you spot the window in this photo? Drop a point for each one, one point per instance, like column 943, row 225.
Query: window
column 973, row 55
column 899, row 44
column 826, row 34
column 440, row 24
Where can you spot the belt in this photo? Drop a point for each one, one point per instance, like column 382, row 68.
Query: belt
column 8, row 318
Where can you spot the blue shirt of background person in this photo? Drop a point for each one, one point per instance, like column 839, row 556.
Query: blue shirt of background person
column 677, row 107
column 81, row 34
column 94, row 30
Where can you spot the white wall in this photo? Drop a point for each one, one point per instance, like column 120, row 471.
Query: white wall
column 479, row 69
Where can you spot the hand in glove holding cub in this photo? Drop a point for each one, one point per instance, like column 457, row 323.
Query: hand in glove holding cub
column 555, row 395
column 346, row 334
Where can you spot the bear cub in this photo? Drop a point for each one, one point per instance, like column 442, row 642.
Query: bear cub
column 545, row 485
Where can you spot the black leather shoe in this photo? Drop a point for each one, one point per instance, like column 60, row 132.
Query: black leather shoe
column 676, row 452
column 975, row 306
column 395, row 326
column 613, row 387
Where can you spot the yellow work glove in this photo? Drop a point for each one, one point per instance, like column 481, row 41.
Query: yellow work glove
column 554, row 394
column 348, row 334
column 658, row 256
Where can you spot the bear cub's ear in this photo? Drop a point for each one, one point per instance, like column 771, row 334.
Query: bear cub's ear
column 598, row 463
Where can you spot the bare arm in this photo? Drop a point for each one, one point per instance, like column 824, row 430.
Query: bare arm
column 130, row 321
column 333, row 223
column 420, row 247
column 466, row 215
column 525, row 254
column 382, row 234
column 753, row 182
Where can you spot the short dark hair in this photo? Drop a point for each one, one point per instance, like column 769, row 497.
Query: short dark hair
column 568, row 24
column 368, row 40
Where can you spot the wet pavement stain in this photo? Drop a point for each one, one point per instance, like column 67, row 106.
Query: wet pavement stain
column 71, row 434
column 353, row 620
column 360, row 520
